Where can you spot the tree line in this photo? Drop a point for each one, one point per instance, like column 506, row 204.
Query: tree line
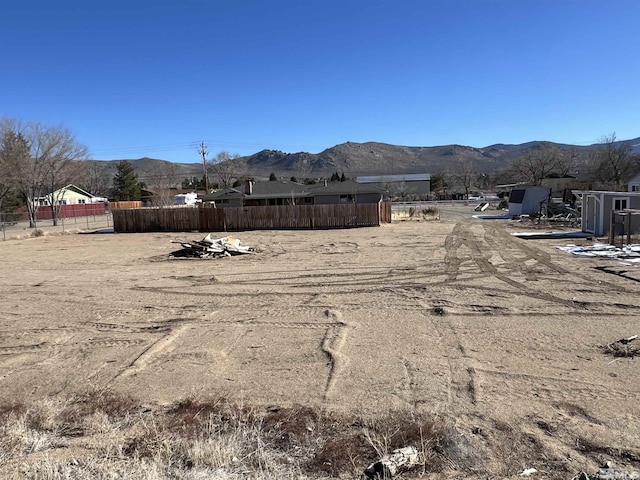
column 37, row 161
column 608, row 166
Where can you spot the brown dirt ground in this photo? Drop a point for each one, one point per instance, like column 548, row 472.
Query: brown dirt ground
column 453, row 317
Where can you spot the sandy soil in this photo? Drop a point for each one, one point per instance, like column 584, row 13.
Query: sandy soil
column 454, row 317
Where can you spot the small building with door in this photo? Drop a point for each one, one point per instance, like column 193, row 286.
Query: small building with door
column 597, row 207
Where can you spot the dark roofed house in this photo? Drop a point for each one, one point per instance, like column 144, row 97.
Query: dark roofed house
column 285, row 192
column 277, row 192
column 345, row 192
column 227, row 197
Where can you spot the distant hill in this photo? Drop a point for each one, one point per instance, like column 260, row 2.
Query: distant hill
column 355, row 159
column 150, row 170
column 380, row 158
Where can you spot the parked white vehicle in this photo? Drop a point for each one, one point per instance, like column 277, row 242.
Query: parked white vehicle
column 185, row 199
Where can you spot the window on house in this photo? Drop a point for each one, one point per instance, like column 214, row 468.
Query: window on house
column 635, row 188
column 619, row 203
column 82, row 201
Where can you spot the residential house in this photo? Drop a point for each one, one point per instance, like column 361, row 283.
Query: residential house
column 285, row 192
column 633, row 185
column 329, row 193
column 70, row 195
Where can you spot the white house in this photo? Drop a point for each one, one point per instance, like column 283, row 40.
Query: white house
column 633, row 185
column 70, row 195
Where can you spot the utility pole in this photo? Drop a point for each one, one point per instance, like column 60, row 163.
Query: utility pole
column 203, row 151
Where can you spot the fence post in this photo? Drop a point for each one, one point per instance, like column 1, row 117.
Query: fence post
column 612, row 228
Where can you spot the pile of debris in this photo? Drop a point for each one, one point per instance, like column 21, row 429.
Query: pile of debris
column 629, row 252
column 211, row 248
column 607, row 472
column 622, row 348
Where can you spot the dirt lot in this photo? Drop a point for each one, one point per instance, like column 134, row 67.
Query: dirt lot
column 453, row 317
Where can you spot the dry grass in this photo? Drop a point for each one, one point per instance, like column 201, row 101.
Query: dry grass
column 102, row 435
column 99, row 434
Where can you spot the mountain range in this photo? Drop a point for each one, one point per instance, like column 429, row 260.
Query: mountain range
column 355, row 159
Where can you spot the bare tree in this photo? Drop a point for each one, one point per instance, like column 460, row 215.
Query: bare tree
column 42, row 160
column 463, row 174
column 64, row 159
column 613, row 162
column 97, row 180
column 163, row 184
column 24, row 173
column 225, row 169
column 6, row 150
column 538, row 164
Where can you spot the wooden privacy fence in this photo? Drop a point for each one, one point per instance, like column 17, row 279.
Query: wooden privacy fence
column 207, row 219
column 125, row 204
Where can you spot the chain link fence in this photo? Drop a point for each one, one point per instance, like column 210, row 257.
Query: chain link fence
column 14, row 225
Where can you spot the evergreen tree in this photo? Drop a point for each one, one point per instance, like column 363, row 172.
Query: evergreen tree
column 125, row 183
column 272, row 177
column 343, row 178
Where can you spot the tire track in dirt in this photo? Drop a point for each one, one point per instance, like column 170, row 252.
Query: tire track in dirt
column 542, row 257
column 451, row 260
column 16, row 349
column 374, row 276
column 294, row 325
column 463, row 384
column 113, row 342
column 554, row 390
column 332, row 345
column 481, row 259
column 148, row 354
column 117, row 327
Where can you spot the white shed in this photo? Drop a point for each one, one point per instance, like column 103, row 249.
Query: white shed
column 527, row 200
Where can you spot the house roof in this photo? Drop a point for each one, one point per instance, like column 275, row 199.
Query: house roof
column 634, row 177
column 278, row 188
column 407, row 177
column 346, row 187
column 224, row 193
column 288, row 189
column 72, row 188
column 623, row 193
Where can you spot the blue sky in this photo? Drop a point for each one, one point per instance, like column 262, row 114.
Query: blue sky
column 154, row 78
